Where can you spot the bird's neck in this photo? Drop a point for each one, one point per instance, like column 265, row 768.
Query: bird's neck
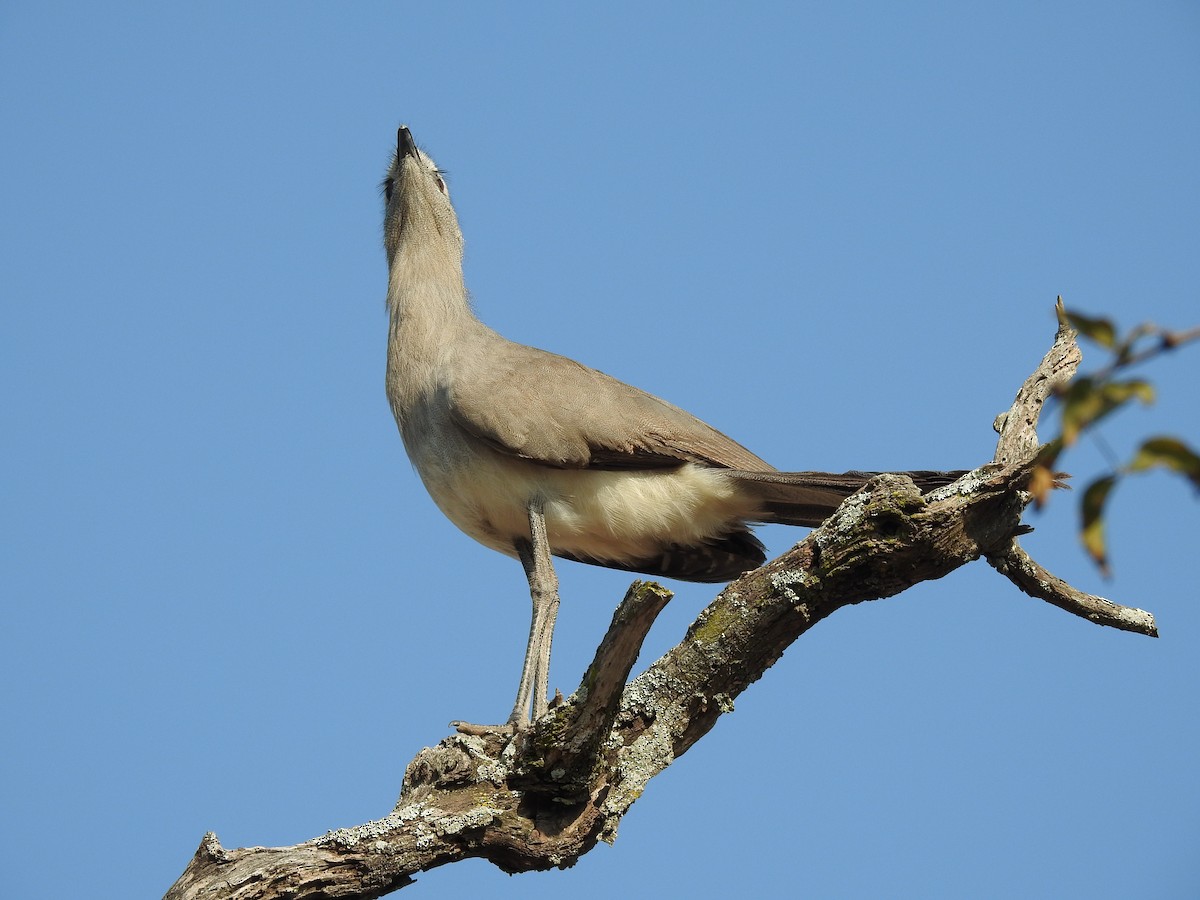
column 429, row 312
column 425, row 282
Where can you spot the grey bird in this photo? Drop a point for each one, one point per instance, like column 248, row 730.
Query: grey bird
column 535, row 455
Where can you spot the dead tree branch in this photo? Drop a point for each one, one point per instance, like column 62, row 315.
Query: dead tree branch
column 544, row 798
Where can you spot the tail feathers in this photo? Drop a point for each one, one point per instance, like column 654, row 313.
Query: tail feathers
column 809, row 498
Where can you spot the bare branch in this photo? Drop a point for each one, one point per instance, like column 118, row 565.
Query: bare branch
column 1018, row 426
column 1018, row 567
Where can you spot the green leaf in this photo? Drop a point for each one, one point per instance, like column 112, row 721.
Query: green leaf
column 1081, row 402
column 1102, row 331
column 1092, row 526
column 1087, row 402
column 1118, row 392
column 1170, row 453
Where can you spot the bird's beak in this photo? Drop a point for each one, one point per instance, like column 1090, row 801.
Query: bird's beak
column 405, row 145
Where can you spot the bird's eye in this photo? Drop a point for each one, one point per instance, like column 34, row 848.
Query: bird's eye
column 388, row 184
column 437, row 176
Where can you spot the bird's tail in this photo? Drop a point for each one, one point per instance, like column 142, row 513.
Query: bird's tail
column 809, row 498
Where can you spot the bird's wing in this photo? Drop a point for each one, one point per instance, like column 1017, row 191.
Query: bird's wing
column 550, row 409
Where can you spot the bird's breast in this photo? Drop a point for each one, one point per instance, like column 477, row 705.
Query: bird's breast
column 613, row 515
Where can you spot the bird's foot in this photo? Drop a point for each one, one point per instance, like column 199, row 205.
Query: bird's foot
column 515, row 725
column 519, row 721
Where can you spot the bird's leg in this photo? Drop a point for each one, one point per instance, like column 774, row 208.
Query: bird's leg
column 543, row 591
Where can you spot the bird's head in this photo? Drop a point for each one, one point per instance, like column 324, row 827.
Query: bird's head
column 417, row 212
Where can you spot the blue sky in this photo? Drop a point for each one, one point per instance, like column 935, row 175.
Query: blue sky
column 834, row 231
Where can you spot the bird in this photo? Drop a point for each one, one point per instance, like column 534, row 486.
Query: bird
column 537, row 456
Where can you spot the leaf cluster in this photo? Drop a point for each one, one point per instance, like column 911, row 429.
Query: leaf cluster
column 1089, row 399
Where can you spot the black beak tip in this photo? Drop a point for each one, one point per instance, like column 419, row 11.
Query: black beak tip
column 405, row 145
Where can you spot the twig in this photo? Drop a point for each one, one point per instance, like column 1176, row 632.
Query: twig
column 1018, row 426
column 1020, row 568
